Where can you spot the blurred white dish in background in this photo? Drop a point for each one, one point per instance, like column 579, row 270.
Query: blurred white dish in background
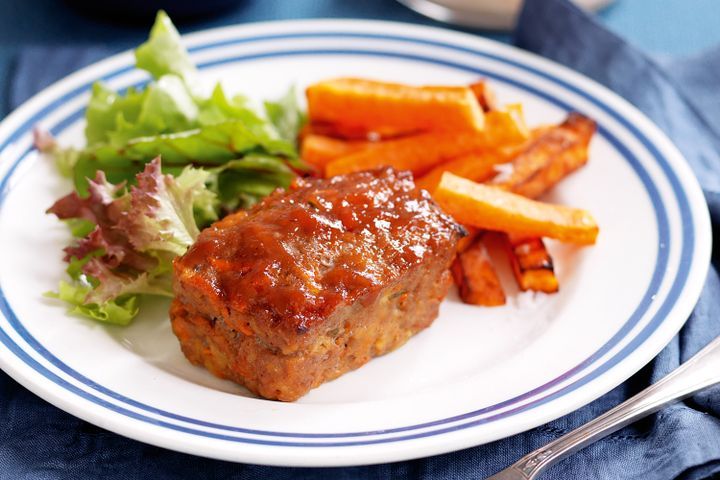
column 493, row 14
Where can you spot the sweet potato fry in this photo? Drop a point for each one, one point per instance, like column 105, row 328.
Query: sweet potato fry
column 513, row 150
column 484, row 95
column 343, row 132
column 504, row 129
column 531, row 263
column 418, row 153
column 554, row 154
column 476, row 166
column 319, row 150
column 393, row 109
column 492, row 208
column 477, row 281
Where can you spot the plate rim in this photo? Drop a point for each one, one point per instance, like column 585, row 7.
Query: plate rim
column 688, row 180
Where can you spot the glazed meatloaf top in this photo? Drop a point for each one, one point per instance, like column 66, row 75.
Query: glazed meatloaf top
column 280, row 269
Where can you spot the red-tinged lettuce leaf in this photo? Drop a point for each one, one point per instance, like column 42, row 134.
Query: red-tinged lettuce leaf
column 162, row 218
column 95, row 242
column 137, row 234
column 105, row 207
column 64, row 158
column 43, row 140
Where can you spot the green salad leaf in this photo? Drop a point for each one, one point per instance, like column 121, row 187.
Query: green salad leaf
column 164, row 53
column 120, row 311
column 164, row 106
column 208, row 146
column 107, row 111
column 242, row 183
column 169, row 117
column 286, row 115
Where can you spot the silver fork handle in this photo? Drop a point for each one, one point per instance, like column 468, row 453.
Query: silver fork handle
column 701, row 371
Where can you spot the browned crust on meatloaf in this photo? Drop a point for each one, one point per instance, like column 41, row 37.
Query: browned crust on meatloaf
column 313, row 282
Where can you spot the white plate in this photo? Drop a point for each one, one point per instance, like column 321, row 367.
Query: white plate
column 475, row 376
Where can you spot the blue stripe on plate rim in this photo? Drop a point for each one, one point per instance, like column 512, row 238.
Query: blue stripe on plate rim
column 657, row 277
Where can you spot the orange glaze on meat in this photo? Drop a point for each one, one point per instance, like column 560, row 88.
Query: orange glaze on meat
column 292, row 259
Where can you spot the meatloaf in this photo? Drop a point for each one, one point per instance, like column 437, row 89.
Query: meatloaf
column 313, row 282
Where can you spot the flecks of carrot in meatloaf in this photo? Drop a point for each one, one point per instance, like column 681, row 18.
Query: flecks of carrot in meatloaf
column 313, row 282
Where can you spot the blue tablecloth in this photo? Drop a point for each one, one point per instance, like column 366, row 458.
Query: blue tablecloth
column 39, row 441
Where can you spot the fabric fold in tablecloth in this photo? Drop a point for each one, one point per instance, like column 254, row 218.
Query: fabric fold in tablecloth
column 39, row 441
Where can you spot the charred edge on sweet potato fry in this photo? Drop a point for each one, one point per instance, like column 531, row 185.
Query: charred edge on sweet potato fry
column 484, row 95
column 531, row 263
column 547, row 159
column 553, row 153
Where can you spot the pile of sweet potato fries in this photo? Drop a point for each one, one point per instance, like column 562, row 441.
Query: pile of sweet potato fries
column 479, row 161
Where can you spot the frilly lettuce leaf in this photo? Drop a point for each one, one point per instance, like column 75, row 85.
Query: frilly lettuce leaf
column 161, row 217
column 120, row 311
column 205, row 201
column 137, row 233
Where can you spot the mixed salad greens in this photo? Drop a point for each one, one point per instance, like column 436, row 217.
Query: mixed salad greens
column 130, row 212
